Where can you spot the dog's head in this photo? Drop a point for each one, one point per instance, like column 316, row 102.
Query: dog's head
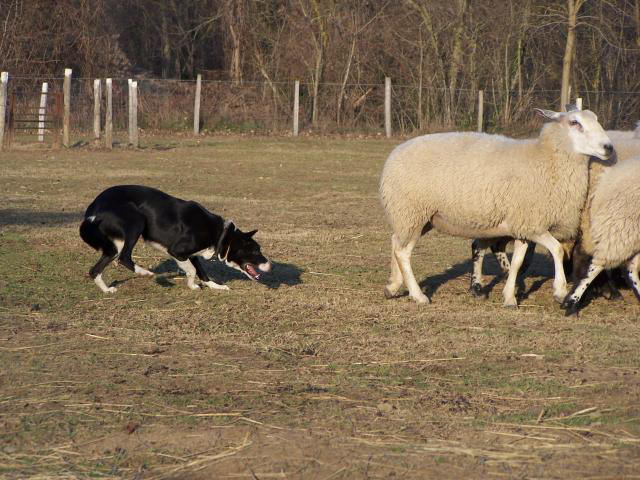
column 239, row 250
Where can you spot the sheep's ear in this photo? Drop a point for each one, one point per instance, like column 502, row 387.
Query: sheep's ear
column 550, row 114
column 571, row 107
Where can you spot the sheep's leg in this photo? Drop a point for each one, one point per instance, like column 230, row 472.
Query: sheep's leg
column 478, row 251
column 632, row 275
column 524, row 268
column 556, row 250
column 519, row 251
column 499, row 249
column 395, row 280
column 479, row 248
column 609, row 290
column 570, row 303
column 403, row 257
column 528, row 258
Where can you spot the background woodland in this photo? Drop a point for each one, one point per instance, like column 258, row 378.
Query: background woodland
column 439, row 53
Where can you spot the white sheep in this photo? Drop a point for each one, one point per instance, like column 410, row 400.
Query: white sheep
column 478, row 185
column 625, row 134
column 583, row 249
column 614, row 228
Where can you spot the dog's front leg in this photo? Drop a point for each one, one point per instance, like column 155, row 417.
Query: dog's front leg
column 190, row 270
column 202, row 274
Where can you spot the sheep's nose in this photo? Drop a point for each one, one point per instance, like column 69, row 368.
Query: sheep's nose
column 608, row 148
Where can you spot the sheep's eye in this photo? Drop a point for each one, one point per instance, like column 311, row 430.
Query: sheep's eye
column 574, row 123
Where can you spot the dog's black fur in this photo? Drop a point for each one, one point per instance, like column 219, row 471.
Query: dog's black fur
column 186, row 230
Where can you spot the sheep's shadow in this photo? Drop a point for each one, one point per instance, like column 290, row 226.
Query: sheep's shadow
column 282, row 274
column 541, row 265
column 23, row 216
column 432, row 283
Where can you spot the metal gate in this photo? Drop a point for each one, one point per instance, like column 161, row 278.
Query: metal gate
column 35, row 121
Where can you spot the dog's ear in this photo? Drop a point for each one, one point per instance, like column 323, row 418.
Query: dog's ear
column 251, row 233
column 224, row 241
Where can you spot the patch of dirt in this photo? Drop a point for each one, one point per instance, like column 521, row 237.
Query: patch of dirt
column 311, row 374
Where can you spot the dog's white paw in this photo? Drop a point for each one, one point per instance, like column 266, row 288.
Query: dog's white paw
column 111, row 290
column 142, row 271
column 215, row 286
column 193, row 286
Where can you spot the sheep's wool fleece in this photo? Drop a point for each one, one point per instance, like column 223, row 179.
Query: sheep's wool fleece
column 481, row 181
column 615, row 214
column 625, row 149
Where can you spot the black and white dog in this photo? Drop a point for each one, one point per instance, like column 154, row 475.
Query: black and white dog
column 185, row 230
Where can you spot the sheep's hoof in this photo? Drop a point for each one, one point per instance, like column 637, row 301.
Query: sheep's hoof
column 478, row 290
column 611, row 294
column 558, row 298
column 390, row 293
column 570, row 306
column 510, row 303
column 421, row 299
column 560, row 295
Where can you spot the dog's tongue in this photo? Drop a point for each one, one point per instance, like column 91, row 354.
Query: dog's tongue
column 252, row 271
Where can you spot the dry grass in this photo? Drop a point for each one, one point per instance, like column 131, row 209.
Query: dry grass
column 310, row 375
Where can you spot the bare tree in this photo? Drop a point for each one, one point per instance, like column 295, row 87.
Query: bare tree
column 234, row 14
column 573, row 7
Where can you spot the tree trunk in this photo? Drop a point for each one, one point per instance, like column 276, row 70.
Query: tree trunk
column 637, row 12
column 166, row 45
column 347, row 71
column 321, row 39
column 573, row 6
column 234, row 13
column 448, row 79
column 456, row 54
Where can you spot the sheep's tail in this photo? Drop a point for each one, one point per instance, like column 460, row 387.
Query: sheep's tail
column 92, row 235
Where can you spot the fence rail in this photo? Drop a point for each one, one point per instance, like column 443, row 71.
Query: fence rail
column 273, row 107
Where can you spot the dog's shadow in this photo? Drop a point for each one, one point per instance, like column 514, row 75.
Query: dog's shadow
column 281, row 274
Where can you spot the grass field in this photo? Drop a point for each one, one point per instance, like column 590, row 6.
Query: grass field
column 311, row 374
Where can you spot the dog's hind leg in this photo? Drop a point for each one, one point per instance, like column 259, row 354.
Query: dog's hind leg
column 134, row 226
column 202, row 274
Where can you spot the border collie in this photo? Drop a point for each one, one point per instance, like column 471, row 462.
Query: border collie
column 185, row 230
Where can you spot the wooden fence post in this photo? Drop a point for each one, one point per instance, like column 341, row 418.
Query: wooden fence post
column 66, row 119
column 387, row 106
column 97, row 94
column 130, row 111
column 196, row 106
column 135, row 141
column 296, row 107
column 480, row 109
column 42, row 112
column 579, row 103
column 108, row 127
column 4, row 83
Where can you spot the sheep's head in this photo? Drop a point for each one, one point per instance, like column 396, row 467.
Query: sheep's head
column 583, row 130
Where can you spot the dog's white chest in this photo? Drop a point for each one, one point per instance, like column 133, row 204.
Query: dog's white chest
column 207, row 253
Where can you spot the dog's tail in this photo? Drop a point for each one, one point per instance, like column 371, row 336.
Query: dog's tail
column 92, row 235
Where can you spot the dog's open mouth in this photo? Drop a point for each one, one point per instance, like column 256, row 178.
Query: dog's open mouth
column 251, row 271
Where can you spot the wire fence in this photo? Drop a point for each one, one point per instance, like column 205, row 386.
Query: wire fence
column 166, row 106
